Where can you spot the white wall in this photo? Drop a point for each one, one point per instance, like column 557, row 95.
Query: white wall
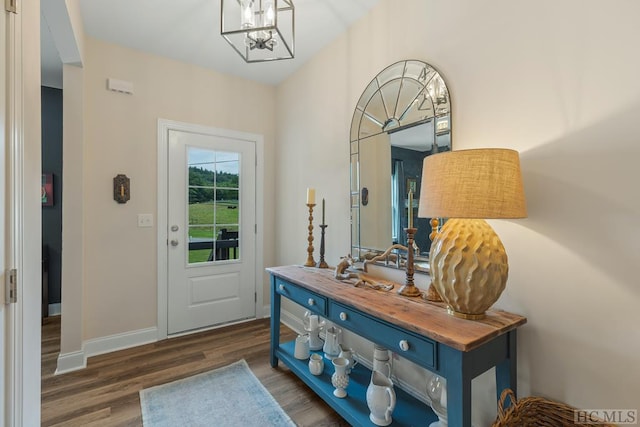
column 558, row 82
column 121, row 137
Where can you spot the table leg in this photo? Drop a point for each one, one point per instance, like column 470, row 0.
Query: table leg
column 458, row 390
column 507, row 370
column 275, row 323
column 459, row 401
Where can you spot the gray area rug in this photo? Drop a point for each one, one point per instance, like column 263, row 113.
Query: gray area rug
column 228, row 396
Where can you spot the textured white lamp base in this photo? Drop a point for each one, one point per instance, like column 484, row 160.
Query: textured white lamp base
column 469, row 266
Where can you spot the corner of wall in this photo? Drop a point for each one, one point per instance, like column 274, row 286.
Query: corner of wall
column 69, row 362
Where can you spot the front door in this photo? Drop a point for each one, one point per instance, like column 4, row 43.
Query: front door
column 211, row 236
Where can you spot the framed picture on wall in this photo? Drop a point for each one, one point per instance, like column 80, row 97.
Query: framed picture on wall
column 46, row 191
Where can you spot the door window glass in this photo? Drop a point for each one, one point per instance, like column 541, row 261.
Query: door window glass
column 214, row 208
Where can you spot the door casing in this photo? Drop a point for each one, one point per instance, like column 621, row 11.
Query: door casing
column 21, row 214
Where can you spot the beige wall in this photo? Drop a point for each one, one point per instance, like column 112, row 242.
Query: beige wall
column 72, row 323
column 556, row 81
column 120, row 288
column 73, row 208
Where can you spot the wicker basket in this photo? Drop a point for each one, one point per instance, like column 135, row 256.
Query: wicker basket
column 535, row 412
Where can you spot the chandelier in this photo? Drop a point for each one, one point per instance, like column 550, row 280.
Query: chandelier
column 259, row 30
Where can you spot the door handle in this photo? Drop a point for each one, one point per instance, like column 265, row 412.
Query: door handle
column 174, row 242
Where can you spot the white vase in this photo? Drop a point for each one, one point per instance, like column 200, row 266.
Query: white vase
column 315, row 342
column 301, row 349
column 350, row 355
column 340, row 378
column 331, row 346
column 316, row 364
column 381, row 399
column 312, row 324
column 381, row 360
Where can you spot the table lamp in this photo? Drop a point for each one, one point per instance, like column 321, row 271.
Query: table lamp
column 467, row 260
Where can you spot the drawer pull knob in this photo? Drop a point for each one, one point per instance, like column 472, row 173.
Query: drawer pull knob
column 404, row 345
column 281, row 287
column 311, row 301
column 343, row 316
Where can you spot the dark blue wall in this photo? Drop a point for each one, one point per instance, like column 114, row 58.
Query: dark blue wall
column 52, row 163
column 412, row 168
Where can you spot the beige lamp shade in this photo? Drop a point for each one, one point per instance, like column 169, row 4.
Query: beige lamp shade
column 479, row 183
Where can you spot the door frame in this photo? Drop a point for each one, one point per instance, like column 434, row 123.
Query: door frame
column 164, row 126
column 21, row 215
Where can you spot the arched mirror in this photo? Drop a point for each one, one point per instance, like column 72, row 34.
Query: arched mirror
column 403, row 115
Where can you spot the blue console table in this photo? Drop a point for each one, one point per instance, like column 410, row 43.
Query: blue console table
column 456, row 349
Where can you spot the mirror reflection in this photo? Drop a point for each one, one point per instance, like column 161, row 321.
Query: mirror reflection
column 403, row 115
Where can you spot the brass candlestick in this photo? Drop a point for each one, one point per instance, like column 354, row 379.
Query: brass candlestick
column 310, row 261
column 435, row 223
column 409, row 289
column 322, row 263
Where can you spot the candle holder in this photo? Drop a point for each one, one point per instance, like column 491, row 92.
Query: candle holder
column 432, row 295
column 435, row 225
column 310, row 261
column 322, row 263
column 409, row 289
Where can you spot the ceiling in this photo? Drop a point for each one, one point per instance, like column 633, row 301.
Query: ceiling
column 189, row 31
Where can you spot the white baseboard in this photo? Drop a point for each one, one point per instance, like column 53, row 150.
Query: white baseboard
column 291, row 321
column 70, row 362
column 77, row 360
column 96, row 346
column 55, row 309
column 287, row 318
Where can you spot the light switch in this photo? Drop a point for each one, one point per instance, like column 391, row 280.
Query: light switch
column 145, row 220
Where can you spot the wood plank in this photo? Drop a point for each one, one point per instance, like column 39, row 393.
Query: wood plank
column 415, row 314
column 106, row 392
column 87, row 419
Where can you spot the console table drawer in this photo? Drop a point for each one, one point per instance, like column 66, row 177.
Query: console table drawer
column 413, row 347
column 305, row 298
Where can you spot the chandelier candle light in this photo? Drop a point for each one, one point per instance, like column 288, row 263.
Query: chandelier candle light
column 468, row 262
column 311, row 202
column 259, row 30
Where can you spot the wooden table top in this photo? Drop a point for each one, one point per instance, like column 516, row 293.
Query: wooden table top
column 414, row 314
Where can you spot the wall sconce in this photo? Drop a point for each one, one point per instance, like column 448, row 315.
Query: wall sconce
column 468, row 262
column 121, row 188
column 364, row 196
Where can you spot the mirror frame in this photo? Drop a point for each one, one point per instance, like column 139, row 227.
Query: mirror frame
column 421, row 95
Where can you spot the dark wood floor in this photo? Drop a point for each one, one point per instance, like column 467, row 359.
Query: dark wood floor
column 106, row 392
